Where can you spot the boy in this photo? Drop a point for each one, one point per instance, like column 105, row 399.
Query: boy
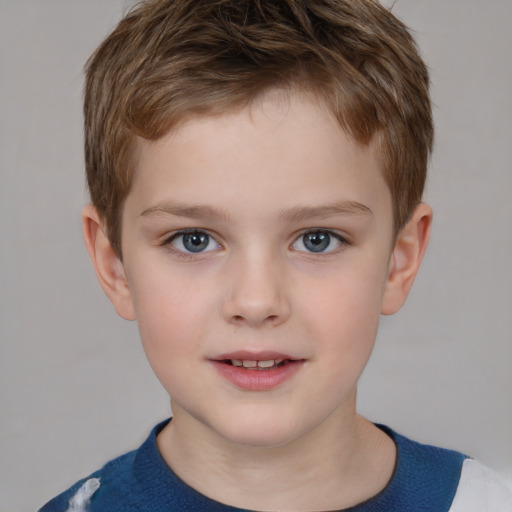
column 256, row 171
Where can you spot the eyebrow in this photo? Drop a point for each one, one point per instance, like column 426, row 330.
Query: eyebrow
column 182, row 210
column 300, row 213
column 297, row 214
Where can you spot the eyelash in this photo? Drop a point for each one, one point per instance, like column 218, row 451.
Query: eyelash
column 168, row 242
column 342, row 241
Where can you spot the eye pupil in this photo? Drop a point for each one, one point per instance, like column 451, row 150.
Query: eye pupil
column 195, row 242
column 316, row 242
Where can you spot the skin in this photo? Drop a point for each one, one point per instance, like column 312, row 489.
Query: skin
column 255, row 181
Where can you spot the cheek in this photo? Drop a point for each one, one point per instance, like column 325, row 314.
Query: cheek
column 172, row 316
column 343, row 315
column 349, row 296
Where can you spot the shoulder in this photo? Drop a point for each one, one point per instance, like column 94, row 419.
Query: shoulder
column 120, row 484
column 426, row 477
column 481, row 490
column 430, row 478
column 116, row 476
column 426, row 465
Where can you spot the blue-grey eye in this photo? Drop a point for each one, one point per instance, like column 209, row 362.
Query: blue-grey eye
column 318, row 241
column 194, row 242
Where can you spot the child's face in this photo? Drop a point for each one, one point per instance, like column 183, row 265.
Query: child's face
column 263, row 234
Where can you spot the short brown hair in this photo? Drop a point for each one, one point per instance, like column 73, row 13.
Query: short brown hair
column 169, row 59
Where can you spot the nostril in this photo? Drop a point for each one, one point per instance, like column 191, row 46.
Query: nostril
column 269, row 319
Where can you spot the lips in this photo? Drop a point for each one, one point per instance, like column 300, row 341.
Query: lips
column 256, row 371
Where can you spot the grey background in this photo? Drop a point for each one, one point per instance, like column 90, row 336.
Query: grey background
column 75, row 387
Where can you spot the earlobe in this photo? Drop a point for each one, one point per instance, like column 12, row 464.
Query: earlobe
column 109, row 269
column 410, row 246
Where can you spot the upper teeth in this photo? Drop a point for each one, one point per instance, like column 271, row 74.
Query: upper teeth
column 250, row 363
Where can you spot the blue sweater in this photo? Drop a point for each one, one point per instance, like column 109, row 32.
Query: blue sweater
column 425, row 479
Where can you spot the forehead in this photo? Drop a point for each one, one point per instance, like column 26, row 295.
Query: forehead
column 284, row 147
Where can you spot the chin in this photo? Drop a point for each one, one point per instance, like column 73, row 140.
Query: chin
column 258, row 432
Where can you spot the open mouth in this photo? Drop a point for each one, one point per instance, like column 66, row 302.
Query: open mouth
column 250, row 364
column 261, row 371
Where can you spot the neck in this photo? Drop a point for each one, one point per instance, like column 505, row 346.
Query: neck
column 340, row 463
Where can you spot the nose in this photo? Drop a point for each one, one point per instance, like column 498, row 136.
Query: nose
column 256, row 293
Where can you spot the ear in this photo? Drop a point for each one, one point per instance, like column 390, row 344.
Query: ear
column 109, row 268
column 408, row 251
